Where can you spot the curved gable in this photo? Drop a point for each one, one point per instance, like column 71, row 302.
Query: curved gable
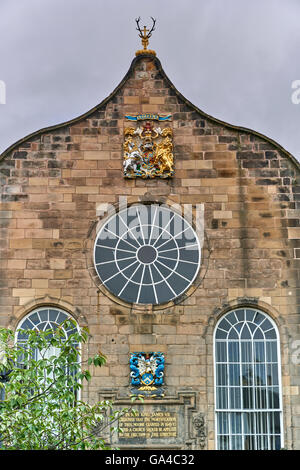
column 102, row 105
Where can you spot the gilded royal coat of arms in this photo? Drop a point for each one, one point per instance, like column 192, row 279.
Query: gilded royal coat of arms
column 148, row 149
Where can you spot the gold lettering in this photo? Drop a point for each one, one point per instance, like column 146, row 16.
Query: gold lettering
column 149, row 425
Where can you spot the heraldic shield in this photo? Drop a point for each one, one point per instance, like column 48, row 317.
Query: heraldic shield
column 147, row 373
column 148, row 150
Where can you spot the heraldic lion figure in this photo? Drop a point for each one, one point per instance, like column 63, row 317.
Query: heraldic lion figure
column 164, row 156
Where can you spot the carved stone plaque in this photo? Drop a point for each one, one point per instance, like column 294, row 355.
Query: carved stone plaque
column 165, row 423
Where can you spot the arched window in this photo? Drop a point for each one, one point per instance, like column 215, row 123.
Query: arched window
column 44, row 318
column 247, row 382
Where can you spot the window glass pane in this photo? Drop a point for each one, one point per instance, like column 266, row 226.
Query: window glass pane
column 246, row 333
column 236, row 423
column 237, row 443
column 238, row 327
column 252, row 328
column 251, row 383
column 233, row 334
column 271, row 349
column 53, row 315
column 249, row 423
column 223, row 425
column 261, row 423
column 221, row 351
column 235, row 398
column 54, row 326
column 43, row 314
column 231, row 318
column 271, row 334
column 261, row 398
column 246, row 348
column 258, row 334
column 247, row 397
column 250, row 314
column 221, row 374
column 260, row 374
column 247, row 374
column 27, row 325
column 258, row 318
column 274, row 422
column 223, row 443
column 273, row 397
column 221, row 334
column 240, row 314
column 266, row 325
column 259, row 351
column 34, row 318
column 262, row 442
column 272, row 374
column 222, row 398
column 233, row 351
column 234, row 374
column 249, row 442
column 224, row 325
column 61, row 318
column 43, row 326
column 277, row 443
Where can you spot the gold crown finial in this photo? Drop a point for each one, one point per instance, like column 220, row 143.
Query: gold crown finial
column 145, row 34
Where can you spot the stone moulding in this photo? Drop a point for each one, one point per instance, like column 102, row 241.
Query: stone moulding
column 244, row 302
column 46, row 301
column 191, row 429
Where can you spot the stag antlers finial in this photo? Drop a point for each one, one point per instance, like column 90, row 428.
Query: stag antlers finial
column 145, row 34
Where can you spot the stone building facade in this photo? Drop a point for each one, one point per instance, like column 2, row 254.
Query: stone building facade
column 59, row 184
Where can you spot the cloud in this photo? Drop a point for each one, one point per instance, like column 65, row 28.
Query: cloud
column 236, row 60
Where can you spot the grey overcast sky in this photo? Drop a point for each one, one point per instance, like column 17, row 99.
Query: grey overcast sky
column 234, row 59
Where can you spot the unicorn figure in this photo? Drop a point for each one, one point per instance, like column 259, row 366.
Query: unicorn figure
column 131, row 161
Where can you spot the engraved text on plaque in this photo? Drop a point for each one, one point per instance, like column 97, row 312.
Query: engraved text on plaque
column 159, row 424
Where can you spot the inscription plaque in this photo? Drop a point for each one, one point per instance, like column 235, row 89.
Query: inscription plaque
column 172, row 422
column 160, row 424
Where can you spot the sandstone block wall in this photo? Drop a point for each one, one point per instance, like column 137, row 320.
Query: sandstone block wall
column 52, row 184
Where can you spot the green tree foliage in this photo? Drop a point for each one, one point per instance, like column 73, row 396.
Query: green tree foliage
column 42, row 408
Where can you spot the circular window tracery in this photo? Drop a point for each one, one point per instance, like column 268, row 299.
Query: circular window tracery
column 147, row 254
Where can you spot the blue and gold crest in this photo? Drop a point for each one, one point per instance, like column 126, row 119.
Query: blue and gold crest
column 147, row 373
